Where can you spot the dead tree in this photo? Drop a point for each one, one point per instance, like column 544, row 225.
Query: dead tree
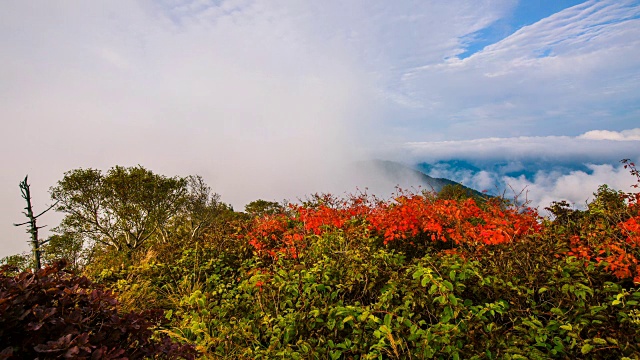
column 33, row 227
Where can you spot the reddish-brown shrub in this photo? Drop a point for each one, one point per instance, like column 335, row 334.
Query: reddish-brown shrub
column 55, row 314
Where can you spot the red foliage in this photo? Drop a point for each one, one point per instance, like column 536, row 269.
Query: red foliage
column 284, row 234
column 54, row 314
column 416, row 218
column 462, row 222
column 618, row 254
column 617, row 246
column 406, row 218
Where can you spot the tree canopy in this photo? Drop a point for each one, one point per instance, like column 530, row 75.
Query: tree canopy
column 122, row 208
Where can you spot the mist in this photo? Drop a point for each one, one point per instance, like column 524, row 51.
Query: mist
column 277, row 100
column 250, row 100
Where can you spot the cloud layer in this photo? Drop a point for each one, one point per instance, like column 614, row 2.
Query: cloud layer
column 574, row 71
column 592, row 146
column 547, row 168
column 276, row 99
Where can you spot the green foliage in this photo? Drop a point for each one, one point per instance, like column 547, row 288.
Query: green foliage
column 16, row 263
column 437, row 276
column 263, row 207
column 459, row 192
column 201, row 213
column 128, row 209
column 122, row 208
column 347, row 299
column 67, row 246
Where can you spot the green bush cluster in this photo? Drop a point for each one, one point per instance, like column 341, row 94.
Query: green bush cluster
column 358, row 299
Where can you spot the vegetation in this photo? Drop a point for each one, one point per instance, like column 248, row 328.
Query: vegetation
column 121, row 209
column 418, row 276
column 53, row 314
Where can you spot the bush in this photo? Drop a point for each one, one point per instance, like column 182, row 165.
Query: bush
column 53, row 314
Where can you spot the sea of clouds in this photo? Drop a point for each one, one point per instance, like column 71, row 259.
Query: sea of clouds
column 544, row 169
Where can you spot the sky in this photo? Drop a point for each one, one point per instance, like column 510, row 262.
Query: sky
column 275, row 99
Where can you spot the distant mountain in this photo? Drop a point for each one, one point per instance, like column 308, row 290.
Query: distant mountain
column 523, row 167
column 404, row 176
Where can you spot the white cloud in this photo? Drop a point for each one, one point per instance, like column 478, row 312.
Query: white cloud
column 593, row 146
column 625, row 135
column 548, row 165
column 575, row 70
column 576, row 187
column 268, row 99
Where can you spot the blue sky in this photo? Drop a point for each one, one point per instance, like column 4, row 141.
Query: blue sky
column 275, row 99
column 524, row 13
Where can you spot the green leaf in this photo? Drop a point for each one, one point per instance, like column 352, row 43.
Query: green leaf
column 542, row 289
column 567, row 327
column 448, row 285
column 289, row 333
column 586, row 348
column 387, row 320
column 453, row 299
column 452, row 275
column 440, row 299
column 418, row 273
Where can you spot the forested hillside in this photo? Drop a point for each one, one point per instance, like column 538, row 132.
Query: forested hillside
column 155, row 266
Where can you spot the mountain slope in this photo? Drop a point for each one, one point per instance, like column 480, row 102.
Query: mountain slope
column 403, row 176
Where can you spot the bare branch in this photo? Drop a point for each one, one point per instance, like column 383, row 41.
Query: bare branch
column 49, row 208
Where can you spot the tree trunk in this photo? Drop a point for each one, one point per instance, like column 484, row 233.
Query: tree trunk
column 33, row 227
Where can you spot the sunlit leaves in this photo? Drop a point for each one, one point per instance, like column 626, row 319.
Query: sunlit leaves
column 409, row 218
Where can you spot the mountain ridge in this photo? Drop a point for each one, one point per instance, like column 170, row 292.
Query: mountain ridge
column 407, row 177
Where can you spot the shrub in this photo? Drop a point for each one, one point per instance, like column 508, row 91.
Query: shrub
column 53, row 314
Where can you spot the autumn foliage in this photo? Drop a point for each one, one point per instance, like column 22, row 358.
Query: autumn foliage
column 468, row 224
column 54, row 314
column 609, row 231
column 419, row 275
column 412, row 219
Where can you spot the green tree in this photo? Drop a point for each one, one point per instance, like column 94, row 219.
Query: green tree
column 263, row 207
column 19, row 262
column 121, row 209
column 67, row 246
column 201, row 211
column 457, row 192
